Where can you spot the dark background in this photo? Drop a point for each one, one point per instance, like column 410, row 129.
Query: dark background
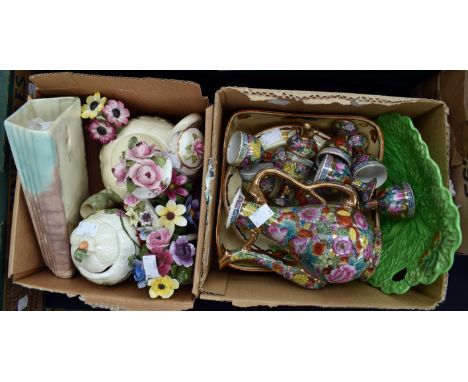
column 393, row 83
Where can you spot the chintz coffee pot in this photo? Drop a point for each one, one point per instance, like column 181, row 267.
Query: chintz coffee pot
column 331, row 243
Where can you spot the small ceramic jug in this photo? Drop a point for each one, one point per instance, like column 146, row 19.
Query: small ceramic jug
column 330, row 243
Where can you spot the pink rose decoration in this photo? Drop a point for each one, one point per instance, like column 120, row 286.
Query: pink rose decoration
column 299, row 244
column 164, row 260
column 360, row 220
column 342, row 246
column 158, row 240
column 141, row 150
column 131, row 200
column 146, row 174
column 175, row 188
column 278, row 234
column 340, row 167
column 198, row 147
column 120, row 173
column 310, row 214
column 342, row 274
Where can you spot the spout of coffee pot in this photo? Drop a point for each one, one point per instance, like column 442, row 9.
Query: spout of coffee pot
column 294, row 274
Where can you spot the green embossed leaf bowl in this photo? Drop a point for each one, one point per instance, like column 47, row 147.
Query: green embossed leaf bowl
column 419, row 249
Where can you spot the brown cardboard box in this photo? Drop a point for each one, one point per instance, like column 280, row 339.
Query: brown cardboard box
column 251, row 289
column 16, row 297
column 171, row 99
column 451, row 86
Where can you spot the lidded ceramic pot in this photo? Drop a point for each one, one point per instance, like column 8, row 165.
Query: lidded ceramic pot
column 102, row 246
column 186, row 146
column 152, row 130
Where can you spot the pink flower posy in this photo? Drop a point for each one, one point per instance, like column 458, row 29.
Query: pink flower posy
column 175, row 188
column 101, row 131
column 116, row 113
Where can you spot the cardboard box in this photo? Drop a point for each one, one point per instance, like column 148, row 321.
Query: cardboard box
column 451, row 86
column 15, row 297
column 247, row 289
column 170, row 99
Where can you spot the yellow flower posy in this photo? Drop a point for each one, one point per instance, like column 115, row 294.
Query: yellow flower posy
column 162, row 286
column 133, row 216
column 171, row 216
column 93, row 106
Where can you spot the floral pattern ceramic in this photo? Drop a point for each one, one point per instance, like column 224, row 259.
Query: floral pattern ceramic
column 332, row 244
column 293, row 165
column 364, row 189
column 338, row 147
column 357, row 144
column 344, row 128
column 397, row 201
column 244, row 150
column 367, row 167
column 302, row 145
column 333, row 169
column 193, row 150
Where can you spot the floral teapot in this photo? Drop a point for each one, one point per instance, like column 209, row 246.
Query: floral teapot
column 329, row 243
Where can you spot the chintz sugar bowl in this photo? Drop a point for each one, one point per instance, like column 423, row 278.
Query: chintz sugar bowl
column 330, row 243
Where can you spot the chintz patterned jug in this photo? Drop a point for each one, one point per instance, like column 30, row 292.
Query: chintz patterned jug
column 330, row 243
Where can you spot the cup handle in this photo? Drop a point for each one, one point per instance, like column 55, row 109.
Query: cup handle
column 292, row 273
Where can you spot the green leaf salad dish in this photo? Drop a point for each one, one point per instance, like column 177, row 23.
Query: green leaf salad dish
column 419, row 249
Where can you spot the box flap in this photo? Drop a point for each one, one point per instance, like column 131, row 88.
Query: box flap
column 123, row 296
column 205, row 197
column 25, row 255
column 254, row 289
column 170, row 98
column 298, row 101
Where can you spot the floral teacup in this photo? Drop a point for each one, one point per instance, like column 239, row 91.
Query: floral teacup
column 397, row 201
column 367, row 167
column 337, row 146
column 333, row 169
column 244, row 150
column 364, row 189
